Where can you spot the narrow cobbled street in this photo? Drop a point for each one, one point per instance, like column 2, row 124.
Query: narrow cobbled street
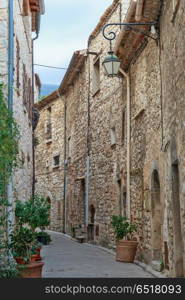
column 70, row 259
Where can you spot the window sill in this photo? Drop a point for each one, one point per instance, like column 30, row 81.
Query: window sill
column 48, row 141
column 56, row 167
column 95, row 93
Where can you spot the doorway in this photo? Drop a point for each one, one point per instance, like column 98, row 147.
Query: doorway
column 156, row 217
column 91, row 224
column 177, row 232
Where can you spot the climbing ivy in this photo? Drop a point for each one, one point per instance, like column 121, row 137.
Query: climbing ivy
column 9, row 135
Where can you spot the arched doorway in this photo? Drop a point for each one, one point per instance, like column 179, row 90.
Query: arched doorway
column 177, row 232
column 91, row 224
column 156, row 217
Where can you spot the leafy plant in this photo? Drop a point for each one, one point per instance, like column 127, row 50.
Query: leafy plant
column 22, row 242
column 35, row 212
column 123, row 228
column 9, row 136
column 9, row 271
column 43, row 237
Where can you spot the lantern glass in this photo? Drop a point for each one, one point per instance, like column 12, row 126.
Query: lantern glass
column 111, row 65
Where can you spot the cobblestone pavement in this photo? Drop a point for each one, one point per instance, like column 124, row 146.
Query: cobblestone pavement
column 65, row 258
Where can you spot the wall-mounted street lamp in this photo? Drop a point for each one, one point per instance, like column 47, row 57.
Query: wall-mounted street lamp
column 112, row 63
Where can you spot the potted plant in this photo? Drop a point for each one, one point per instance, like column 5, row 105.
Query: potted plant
column 36, row 213
column 126, row 246
column 21, row 245
column 36, row 249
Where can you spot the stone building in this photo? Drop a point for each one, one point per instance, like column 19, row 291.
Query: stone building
column 123, row 137
column 49, row 155
column 19, row 22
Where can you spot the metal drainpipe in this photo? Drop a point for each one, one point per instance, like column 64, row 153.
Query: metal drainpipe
column 65, row 166
column 120, row 13
column 33, row 135
column 33, row 91
column 65, row 172
column 88, row 149
column 127, row 76
column 10, row 104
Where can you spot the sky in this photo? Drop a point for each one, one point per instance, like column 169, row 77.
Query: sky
column 65, row 28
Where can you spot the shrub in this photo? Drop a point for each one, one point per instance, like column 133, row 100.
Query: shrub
column 123, row 228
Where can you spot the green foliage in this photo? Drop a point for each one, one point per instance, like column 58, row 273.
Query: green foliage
column 22, row 242
column 9, row 271
column 43, row 237
column 35, row 212
column 9, row 136
column 122, row 227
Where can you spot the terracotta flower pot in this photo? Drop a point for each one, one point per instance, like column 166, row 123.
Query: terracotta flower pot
column 32, row 270
column 20, row 261
column 38, row 257
column 126, row 251
column 34, row 257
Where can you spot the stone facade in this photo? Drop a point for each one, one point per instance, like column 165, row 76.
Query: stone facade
column 24, row 19
column 49, row 156
column 99, row 156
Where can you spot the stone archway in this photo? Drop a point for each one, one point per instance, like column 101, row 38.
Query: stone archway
column 156, row 217
column 177, row 231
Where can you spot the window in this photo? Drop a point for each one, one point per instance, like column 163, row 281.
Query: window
column 48, row 125
column 56, row 161
column 26, row 7
column 96, row 76
column 69, row 147
column 27, row 92
column 176, row 5
column 113, row 136
column 123, row 127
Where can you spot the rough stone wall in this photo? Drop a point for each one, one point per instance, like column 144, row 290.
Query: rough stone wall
column 173, row 91
column 152, row 81
column 23, row 187
column 50, row 178
column 76, row 150
column 4, row 41
column 145, row 140
column 107, row 141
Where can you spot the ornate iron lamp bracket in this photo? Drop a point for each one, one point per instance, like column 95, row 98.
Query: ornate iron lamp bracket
column 111, row 35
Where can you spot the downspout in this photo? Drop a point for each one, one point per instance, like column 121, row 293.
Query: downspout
column 10, row 105
column 88, row 149
column 120, row 13
column 65, row 170
column 33, row 100
column 127, row 76
column 65, row 164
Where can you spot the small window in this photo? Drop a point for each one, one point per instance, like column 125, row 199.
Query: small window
column 123, row 127
column 176, row 5
column 96, row 76
column 56, row 161
column 48, row 125
column 113, row 136
column 26, row 9
column 69, row 148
